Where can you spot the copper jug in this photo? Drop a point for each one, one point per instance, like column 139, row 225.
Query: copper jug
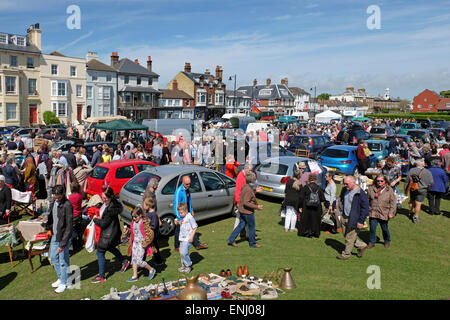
column 245, row 270
column 239, row 271
column 287, row 282
column 192, row 291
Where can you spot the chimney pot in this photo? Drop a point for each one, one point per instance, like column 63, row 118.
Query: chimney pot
column 149, row 63
column 268, row 82
column 187, row 67
column 255, row 82
column 174, row 84
column 114, row 58
column 136, row 61
column 207, row 71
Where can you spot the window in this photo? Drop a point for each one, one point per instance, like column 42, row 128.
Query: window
column 127, row 97
column 201, row 97
column 273, row 168
column 195, row 182
column 30, row 62
column 73, row 71
column 127, row 79
column 61, row 89
column 138, row 81
column 94, row 77
column 270, row 102
column 138, row 184
column 419, row 106
column 13, row 61
column 20, row 41
column 1, row 112
column 31, row 86
column 106, row 108
column 106, row 93
column 100, row 92
column 99, row 173
column 265, row 92
column 425, row 100
column 170, row 187
column 125, row 172
column 150, row 81
column 108, row 78
column 229, row 183
column 210, row 98
column 3, row 38
column 79, row 88
column 54, row 69
column 11, row 111
column 147, row 98
column 60, row 109
column 219, row 98
column 143, row 167
column 211, row 181
column 430, row 106
column 89, row 92
column 10, row 84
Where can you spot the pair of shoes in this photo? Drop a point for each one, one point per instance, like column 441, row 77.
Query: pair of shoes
column 257, row 246
column 294, row 230
column 56, row 284
column 98, row 279
column 187, row 269
column 202, row 246
column 340, row 257
column 177, row 249
column 152, row 273
column 132, row 279
column 286, row 230
column 61, row 288
column 228, row 273
column 125, row 265
column 181, row 269
column 387, row 245
column 370, row 246
column 233, row 244
column 360, row 252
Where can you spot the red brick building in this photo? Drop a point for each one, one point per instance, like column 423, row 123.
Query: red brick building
column 426, row 101
column 444, row 104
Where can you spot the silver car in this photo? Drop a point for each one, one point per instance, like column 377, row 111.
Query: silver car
column 211, row 193
column 272, row 174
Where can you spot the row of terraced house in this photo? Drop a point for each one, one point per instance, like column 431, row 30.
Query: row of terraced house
column 32, row 82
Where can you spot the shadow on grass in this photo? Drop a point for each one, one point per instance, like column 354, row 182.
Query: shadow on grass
column 336, row 245
column 269, row 199
column 196, row 257
column 446, row 214
column 7, row 279
column 90, row 270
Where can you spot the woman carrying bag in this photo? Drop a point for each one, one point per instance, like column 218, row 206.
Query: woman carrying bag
column 311, row 199
column 110, row 233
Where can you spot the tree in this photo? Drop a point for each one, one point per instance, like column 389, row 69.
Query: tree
column 404, row 105
column 445, row 94
column 50, row 118
column 324, row 96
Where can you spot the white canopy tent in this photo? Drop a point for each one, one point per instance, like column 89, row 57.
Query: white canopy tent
column 327, row 117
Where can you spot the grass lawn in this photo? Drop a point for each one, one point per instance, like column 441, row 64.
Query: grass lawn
column 416, row 266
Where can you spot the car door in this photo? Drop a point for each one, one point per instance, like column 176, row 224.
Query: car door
column 220, row 198
column 198, row 197
column 121, row 176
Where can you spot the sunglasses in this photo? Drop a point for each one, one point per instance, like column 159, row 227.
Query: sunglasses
column 134, row 217
column 380, row 180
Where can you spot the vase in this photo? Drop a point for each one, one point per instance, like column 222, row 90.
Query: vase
column 192, row 291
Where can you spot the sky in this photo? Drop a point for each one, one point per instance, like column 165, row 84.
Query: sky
column 323, row 44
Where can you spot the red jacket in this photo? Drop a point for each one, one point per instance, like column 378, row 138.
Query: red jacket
column 360, row 155
column 240, row 181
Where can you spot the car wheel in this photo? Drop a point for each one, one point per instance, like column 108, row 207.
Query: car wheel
column 167, row 225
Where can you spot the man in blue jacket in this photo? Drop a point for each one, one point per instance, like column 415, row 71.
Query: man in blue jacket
column 182, row 194
column 353, row 206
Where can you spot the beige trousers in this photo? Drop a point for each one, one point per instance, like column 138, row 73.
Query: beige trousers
column 351, row 239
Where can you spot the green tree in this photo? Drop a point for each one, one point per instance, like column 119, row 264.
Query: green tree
column 50, row 118
column 445, row 94
column 324, row 96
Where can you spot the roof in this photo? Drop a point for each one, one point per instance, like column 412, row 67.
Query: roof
column 56, row 53
column 298, row 91
column 139, row 89
column 94, row 64
column 127, row 66
column 377, row 141
column 239, row 94
column 343, row 147
column 277, row 91
column 119, row 125
column 117, row 163
column 443, row 104
column 174, row 94
column 13, row 47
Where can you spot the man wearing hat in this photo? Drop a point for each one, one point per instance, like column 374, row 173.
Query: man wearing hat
column 5, row 200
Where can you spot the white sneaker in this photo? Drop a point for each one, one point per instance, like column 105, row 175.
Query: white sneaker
column 56, row 283
column 61, row 288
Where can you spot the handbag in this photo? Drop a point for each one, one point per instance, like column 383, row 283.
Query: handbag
column 89, row 237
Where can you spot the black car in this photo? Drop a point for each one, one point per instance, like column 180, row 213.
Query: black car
column 354, row 136
column 316, row 143
column 424, row 123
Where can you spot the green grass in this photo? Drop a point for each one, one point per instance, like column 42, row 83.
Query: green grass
column 416, row 266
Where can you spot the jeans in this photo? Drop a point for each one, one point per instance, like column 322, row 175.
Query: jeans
column 60, row 261
column 373, row 230
column 184, row 254
column 244, row 231
column 245, row 219
column 196, row 241
column 291, row 218
column 434, row 201
column 102, row 260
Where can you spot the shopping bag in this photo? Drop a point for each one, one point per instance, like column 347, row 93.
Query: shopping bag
column 89, row 237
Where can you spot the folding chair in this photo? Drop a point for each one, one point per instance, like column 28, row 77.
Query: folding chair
column 22, row 202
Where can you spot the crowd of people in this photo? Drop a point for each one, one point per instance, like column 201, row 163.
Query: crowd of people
column 62, row 178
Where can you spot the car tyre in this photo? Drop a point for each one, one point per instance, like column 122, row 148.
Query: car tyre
column 167, row 225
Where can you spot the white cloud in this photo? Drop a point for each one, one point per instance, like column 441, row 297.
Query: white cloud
column 284, row 17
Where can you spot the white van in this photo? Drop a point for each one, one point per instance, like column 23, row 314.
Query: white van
column 260, row 126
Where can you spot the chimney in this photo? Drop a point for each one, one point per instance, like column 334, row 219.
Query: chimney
column 255, row 82
column 136, row 61
column 174, row 84
column 219, row 73
column 187, row 67
column 284, row 81
column 114, row 59
column 149, row 63
column 34, row 35
column 207, row 71
column 268, row 82
column 210, row 79
column 91, row 55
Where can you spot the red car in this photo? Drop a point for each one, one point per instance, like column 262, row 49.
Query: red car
column 115, row 174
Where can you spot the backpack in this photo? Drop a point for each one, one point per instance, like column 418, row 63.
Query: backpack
column 313, row 199
column 414, row 182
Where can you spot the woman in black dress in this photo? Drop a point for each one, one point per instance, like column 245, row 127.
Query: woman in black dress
column 165, row 155
column 311, row 199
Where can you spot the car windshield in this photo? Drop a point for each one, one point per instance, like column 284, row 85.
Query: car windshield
column 335, row 153
column 273, row 168
column 377, row 130
column 374, row 146
column 416, row 134
column 99, row 173
column 138, row 184
column 408, row 125
column 300, row 140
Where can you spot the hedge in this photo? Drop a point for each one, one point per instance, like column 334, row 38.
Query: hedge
column 50, row 118
column 431, row 116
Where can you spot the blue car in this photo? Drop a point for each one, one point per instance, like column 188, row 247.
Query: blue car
column 380, row 148
column 342, row 159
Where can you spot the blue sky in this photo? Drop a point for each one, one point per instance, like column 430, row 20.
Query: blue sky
column 313, row 43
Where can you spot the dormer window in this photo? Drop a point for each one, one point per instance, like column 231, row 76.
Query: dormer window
column 20, row 41
column 265, row 92
column 3, row 38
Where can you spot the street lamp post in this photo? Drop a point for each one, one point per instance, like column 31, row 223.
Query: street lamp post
column 235, row 98
column 314, row 104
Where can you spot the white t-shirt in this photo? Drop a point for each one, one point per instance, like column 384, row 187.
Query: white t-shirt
column 187, row 225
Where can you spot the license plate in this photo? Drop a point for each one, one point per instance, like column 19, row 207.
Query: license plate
column 129, row 208
column 267, row 189
column 332, row 169
column 377, row 138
